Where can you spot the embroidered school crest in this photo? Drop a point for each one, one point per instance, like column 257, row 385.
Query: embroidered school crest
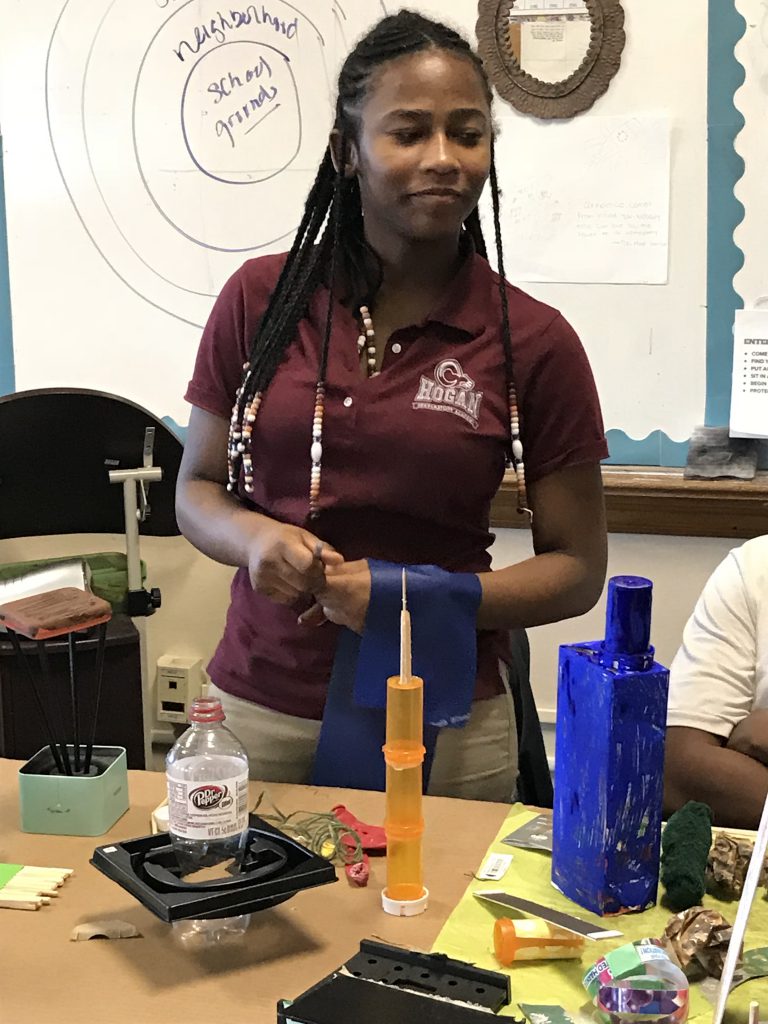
column 450, row 390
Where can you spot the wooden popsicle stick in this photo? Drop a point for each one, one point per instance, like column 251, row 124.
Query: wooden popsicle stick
column 62, row 873
column 28, row 880
column 65, row 872
column 21, row 904
column 28, row 884
column 49, row 881
column 28, row 890
column 754, row 1012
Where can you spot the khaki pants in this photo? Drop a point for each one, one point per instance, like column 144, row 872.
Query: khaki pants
column 478, row 762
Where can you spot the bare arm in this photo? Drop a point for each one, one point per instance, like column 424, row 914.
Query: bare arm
column 699, row 767
column 209, row 516
column 750, row 736
column 566, row 575
column 282, row 559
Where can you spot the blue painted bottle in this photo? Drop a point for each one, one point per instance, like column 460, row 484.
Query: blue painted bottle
column 609, row 759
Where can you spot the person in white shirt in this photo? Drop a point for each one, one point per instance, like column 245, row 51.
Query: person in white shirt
column 717, row 720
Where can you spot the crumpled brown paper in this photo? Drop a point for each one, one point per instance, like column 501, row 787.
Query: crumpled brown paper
column 728, row 863
column 697, row 939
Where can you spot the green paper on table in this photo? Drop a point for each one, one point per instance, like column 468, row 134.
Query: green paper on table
column 542, row 1014
column 7, row 872
column 468, row 934
column 754, row 965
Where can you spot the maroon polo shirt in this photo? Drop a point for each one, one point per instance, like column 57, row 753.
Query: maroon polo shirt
column 411, row 457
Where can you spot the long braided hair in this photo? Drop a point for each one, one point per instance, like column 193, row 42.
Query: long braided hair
column 330, row 242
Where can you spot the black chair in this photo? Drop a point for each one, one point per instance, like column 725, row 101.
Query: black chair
column 57, row 446
column 534, row 784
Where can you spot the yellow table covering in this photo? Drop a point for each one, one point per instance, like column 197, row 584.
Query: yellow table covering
column 468, row 935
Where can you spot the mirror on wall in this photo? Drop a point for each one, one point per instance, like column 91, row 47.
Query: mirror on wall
column 551, row 58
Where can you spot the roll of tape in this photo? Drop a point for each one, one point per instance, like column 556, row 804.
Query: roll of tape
column 652, row 1004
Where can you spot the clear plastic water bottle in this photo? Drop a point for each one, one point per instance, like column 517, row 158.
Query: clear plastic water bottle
column 207, row 774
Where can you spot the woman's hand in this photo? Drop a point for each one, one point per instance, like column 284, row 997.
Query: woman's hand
column 343, row 598
column 287, row 563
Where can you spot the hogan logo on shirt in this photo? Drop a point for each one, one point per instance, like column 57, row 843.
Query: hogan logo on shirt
column 450, row 390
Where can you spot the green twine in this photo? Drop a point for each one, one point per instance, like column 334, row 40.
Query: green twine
column 319, row 832
column 685, row 845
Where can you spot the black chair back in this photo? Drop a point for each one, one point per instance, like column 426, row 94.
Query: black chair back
column 534, row 784
column 57, row 446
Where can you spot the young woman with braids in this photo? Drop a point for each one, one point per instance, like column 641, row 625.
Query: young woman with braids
column 382, row 375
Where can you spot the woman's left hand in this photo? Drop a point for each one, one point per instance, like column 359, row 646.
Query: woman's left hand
column 344, row 598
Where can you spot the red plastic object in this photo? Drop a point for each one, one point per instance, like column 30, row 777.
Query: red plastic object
column 372, row 837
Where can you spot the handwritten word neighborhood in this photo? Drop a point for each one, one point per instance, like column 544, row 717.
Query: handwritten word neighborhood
column 218, row 28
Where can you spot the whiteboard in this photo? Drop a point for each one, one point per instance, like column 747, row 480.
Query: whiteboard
column 151, row 148
column 187, row 143
column 136, row 183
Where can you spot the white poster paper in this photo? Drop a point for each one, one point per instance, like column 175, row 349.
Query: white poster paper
column 749, row 384
column 607, row 219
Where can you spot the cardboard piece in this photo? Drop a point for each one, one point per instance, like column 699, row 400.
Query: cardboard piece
column 535, row 834
column 555, row 917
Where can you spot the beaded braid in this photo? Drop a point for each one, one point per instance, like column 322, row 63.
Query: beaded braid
column 333, row 207
column 516, row 448
column 260, row 369
column 316, row 450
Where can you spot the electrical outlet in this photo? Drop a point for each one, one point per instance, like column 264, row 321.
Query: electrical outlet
column 179, row 681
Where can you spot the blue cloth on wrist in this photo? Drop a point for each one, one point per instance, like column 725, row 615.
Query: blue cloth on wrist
column 443, row 609
column 349, row 751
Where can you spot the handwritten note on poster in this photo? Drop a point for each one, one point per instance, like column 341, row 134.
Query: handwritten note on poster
column 749, row 384
column 586, row 201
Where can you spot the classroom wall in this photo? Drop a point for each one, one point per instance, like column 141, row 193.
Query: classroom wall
column 195, row 595
column 653, row 334
column 664, row 64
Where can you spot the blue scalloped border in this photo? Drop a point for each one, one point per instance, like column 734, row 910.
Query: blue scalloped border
column 654, row 450
column 724, row 211
column 724, row 258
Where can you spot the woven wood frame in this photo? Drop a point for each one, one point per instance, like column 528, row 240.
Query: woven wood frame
column 550, row 100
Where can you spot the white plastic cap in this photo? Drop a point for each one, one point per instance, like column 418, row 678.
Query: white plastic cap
column 404, row 908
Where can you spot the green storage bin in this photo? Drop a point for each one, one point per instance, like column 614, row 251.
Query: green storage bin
column 73, row 805
column 109, row 574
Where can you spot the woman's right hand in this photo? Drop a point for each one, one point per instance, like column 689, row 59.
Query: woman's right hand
column 287, row 563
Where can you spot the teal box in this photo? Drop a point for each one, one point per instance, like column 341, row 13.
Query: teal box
column 73, row 805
